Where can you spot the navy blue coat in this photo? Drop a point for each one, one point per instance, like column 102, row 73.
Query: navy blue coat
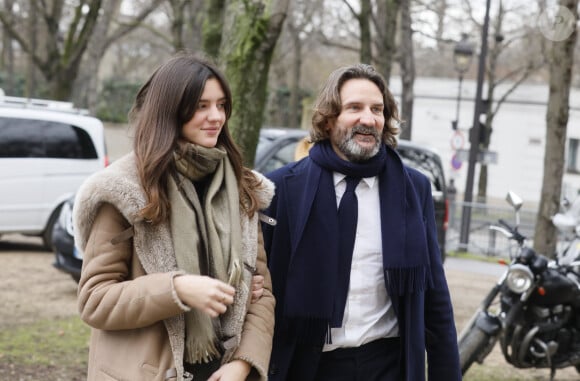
column 425, row 315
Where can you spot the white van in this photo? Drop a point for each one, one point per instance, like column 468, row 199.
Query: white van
column 47, row 149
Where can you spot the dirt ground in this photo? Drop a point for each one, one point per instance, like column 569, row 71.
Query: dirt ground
column 32, row 289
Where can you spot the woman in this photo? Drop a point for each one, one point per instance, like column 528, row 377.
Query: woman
column 171, row 239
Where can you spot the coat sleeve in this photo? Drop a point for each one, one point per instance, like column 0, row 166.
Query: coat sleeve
column 440, row 331
column 258, row 329
column 114, row 292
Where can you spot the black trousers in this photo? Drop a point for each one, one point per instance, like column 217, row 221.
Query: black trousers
column 378, row 360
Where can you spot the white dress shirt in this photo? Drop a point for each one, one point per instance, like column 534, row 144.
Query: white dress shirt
column 368, row 314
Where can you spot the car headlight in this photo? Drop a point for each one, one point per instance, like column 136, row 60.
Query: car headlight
column 519, row 278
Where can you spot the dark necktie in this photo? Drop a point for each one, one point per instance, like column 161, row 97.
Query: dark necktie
column 347, row 220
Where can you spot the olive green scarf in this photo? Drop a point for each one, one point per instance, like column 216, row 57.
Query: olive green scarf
column 207, row 239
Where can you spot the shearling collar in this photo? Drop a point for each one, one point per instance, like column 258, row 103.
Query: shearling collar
column 118, row 184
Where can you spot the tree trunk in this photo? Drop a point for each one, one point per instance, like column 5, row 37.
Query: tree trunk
column 295, row 114
column 8, row 57
column 494, row 102
column 195, row 25
column 213, row 27
column 102, row 38
column 64, row 45
column 366, row 54
column 387, row 16
column 95, row 51
column 8, row 65
column 251, row 30
column 178, row 24
column 407, row 62
column 561, row 62
column 441, row 7
column 486, row 128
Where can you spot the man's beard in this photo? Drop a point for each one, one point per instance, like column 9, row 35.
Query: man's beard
column 352, row 150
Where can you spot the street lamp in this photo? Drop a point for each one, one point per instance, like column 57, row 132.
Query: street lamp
column 462, row 55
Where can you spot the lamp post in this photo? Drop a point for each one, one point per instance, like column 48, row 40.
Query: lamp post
column 474, row 137
column 462, row 55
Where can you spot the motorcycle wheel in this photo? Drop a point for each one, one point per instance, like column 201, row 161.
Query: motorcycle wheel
column 471, row 347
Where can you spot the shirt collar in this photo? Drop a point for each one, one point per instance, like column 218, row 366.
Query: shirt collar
column 338, row 177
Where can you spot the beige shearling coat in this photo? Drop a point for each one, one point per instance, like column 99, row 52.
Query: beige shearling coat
column 126, row 292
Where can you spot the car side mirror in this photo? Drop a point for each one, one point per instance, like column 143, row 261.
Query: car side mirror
column 514, row 200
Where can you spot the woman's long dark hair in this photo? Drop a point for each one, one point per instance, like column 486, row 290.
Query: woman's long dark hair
column 162, row 106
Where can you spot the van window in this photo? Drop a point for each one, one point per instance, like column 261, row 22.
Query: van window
column 28, row 138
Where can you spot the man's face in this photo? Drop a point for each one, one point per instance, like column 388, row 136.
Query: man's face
column 356, row 134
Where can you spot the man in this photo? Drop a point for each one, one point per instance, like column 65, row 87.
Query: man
column 360, row 287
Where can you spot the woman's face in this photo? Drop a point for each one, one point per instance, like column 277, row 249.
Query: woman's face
column 206, row 124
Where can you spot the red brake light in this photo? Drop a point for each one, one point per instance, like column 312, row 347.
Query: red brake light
column 541, row 291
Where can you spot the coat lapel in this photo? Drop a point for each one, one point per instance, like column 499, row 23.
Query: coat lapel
column 302, row 186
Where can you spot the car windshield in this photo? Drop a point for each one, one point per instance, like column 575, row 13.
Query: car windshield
column 263, row 142
column 426, row 164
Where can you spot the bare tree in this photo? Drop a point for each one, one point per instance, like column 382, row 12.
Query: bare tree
column 212, row 27
column 178, row 23
column 102, row 38
column 8, row 54
column 339, row 30
column 407, row 63
column 515, row 73
column 434, row 8
column 561, row 63
column 363, row 18
column 66, row 32
column 196, row 17
column 31, row 72
column 434, row 23
column 299, row 27
column 63, row 48
column 386, row 26
column 251, row 30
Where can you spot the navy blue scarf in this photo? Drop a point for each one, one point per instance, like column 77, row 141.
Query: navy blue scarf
column 312, row 276
column 323, row 154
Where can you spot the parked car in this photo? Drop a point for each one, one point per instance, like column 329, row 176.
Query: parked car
column 276, row 147
column 67, row 257
column 47, row 148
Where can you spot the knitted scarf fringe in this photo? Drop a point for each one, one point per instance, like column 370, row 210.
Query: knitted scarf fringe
column 407, row 280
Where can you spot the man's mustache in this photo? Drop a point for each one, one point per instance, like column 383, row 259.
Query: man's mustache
column 360, row 129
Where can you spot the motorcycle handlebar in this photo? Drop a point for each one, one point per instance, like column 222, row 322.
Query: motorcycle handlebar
column 515, row 234
column 505, row 225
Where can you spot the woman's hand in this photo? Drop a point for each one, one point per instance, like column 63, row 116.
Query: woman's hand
column 236, row 370
column 257, row 287
column 209, row 295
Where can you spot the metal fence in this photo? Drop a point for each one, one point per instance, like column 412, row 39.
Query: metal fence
column 483, row 240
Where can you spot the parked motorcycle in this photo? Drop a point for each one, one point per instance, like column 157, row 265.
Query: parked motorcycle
column 532, row 311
